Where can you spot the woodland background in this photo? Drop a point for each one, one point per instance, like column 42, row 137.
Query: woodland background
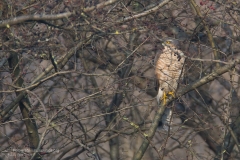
column 77, row 79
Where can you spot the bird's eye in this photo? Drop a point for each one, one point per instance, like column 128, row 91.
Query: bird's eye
column 168, row 42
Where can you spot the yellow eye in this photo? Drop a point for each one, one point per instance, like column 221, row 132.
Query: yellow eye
column 168, row 42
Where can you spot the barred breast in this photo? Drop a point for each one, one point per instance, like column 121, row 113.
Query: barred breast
column 168, row 70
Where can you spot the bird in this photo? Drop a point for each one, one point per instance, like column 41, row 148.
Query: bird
column 169, row 70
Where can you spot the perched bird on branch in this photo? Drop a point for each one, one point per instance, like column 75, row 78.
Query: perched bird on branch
column 169, row 71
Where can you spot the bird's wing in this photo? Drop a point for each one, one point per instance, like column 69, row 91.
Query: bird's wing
column 181, row 77
column 155, row 62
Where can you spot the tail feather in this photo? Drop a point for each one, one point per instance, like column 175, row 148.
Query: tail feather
column 166, row 118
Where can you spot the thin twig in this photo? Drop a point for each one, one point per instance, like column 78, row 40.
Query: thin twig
column 161, row 4
column 209, row 34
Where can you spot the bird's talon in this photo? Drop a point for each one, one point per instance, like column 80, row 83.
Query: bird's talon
column 171, row 93
column 165, row 96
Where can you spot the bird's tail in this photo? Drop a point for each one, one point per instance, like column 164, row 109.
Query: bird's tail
column 166, row 117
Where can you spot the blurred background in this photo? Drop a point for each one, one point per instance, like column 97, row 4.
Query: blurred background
column 77, row 79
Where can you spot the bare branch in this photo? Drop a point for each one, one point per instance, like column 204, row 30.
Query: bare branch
column 21, row 19
column 154, row 9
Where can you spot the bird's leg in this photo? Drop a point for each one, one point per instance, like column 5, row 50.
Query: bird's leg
column 164, row 98
column 171, row 93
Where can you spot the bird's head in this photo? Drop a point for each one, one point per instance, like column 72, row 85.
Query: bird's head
column 171, row 43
